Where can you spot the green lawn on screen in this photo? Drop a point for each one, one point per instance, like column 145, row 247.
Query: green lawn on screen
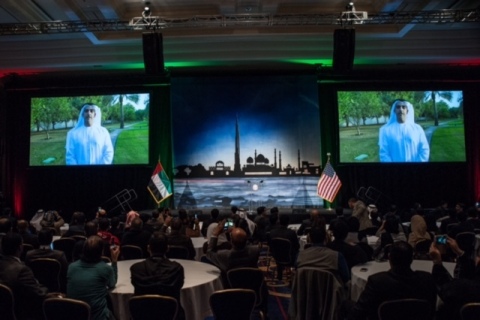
column 131, row 145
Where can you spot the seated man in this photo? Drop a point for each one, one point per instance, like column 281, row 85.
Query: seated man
column 351, row 251
column 89, row 278
column 137, row 236
column 319, row 256
column 239, row 256
column 400, row 282
column 27, row 292
column 157, row 274
column 52, row 219
column 45, row 238
column 308, row 223
column 175, row 238
column 282, row 231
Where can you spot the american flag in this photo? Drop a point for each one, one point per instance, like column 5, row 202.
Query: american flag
column 329, row 184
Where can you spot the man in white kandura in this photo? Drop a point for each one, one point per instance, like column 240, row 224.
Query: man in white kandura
column 88, row 142
column 401, row 139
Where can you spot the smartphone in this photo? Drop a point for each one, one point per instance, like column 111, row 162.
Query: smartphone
column 441, row 239
column 196, row 216
column 228, row 224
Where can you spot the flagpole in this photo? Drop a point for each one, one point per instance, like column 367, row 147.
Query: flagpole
column 328, row 204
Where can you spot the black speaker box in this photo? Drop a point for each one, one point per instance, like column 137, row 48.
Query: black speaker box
column 153, row 53
column 343, row 49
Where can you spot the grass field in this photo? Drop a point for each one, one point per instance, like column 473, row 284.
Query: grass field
column 447, row 144
column 131, row 146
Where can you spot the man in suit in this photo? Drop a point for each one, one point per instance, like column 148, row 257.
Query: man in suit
column 27, row 292
column 176, row 238
column 400, row 282
column 308, row 223
column 157, row 274
column 137, row 236
column 45, row 238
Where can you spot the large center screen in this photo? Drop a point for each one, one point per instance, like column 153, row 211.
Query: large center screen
column 89, row 130
column 401, row 126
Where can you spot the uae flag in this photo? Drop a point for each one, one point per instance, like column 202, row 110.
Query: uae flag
column 159, row 186
column 329, row 184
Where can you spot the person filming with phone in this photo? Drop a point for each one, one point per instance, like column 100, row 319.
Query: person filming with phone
column 463, row 287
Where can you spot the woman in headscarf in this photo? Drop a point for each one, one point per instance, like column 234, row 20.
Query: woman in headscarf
column 418, row 230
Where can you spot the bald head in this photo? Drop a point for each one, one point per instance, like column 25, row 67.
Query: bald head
column 314, row 214
column 239, row 238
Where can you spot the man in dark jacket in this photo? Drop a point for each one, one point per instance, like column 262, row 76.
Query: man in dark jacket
column 400, row 282
column 158, row 274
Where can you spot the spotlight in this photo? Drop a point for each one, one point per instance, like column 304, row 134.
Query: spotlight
column 146, row 10
column 350, row 7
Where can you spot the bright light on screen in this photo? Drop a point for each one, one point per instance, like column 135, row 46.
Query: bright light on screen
column 401, row 126
column 119, row 137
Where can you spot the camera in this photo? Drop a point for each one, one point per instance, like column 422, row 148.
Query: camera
column 441, row 239
column 228, row 224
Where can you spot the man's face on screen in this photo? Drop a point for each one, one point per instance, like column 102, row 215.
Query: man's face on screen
column 89, row 115
column 401, row 110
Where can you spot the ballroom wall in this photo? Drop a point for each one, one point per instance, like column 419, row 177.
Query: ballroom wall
column 27, row 189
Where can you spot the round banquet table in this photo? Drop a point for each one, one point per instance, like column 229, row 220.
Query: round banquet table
column 360, row 276
column 201, row 280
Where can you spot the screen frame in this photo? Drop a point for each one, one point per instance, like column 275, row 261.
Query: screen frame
column 87, row 92
column 409, row 87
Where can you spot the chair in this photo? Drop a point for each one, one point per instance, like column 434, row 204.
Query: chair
column 470, row 311
column 178, row 252
column 106, row 259
column 316, row 294
column 130, row 252
column 66, row 245
column 401, row 309
column 66, row 309
column 250, row 278
column 7, row 303
column 47, row 272
column 147, row 307
column 280, row 250
column 232, row 304
column 78, row 237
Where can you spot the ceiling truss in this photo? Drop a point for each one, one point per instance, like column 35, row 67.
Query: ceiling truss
column 242, row 20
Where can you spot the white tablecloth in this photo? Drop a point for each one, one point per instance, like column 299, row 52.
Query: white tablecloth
column 359, row 278
column 198, row 245
column 201, row 280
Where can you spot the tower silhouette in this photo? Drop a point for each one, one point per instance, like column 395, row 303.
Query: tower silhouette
column 236, row 166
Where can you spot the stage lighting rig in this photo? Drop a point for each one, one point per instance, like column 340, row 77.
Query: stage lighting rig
column 352, row 16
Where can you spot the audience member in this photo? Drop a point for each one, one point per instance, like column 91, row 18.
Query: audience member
column 52, row 220
column 89, row 278
column 472, row 217
column 214, row 214
column 272, row 220
column 308, row 223
column 455, row 292
column 116, row 227
column 91, row 229
column 261, row 224
column 131, row 215
column 176, row 238
column 241, row 255
column 137, row 236
column 27, row 292
column 27, row 236
column 418, row 230
column 351, row 251
column 282, row 231
column 190, row 227
column 389, row 233
column 400, row 282
column 359, row 210
column 45, row 238
column 36, row 219
column 157, row 274
column 154, row 223
column 77, row 225
column 104, row 233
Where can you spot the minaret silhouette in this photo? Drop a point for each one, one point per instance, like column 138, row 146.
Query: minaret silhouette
column 275, row 158
column 236, row 166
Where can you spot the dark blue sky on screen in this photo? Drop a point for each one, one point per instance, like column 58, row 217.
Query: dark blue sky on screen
column 275, row 112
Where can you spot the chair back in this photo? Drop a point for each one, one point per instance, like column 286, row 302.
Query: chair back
column 66, row 309
column 470, row 311
column 280, row 250
column 178, row 252
column 249, row 278
column 401, row 309
column 47, row 272
column 25, row 248
column 7, row 303
column 130, row 252
column 66, row 245
column 79, row 237
column 148, row 307
column 316, row 294
column 232, row 304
